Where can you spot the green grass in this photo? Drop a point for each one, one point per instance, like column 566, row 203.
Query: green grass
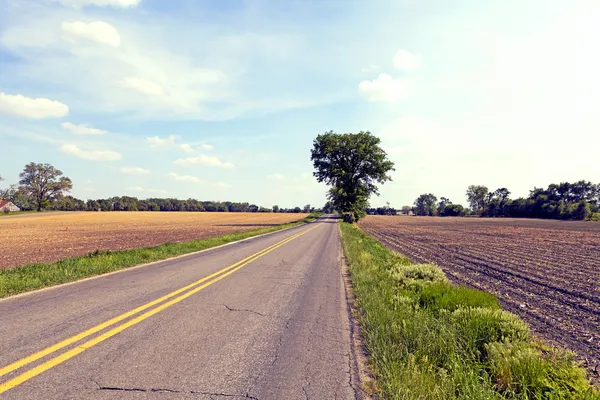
column 428, row 339
column 3, row 214
column 312, row 217
column 36, row 276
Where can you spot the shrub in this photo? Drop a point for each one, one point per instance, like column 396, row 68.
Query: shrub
column 416, row 275
column 6, row 210
column 480, row 326
column 440, row 295
column 595, row 217
column 523, row 371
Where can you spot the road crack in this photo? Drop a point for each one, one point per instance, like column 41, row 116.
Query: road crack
column 166, row 390
column 243, row 310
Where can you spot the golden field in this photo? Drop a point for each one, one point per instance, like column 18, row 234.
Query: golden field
column 48, row 237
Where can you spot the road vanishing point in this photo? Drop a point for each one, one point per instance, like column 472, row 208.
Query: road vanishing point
column 264, row 318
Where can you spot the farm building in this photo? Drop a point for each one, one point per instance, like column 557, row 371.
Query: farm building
column 6, row 205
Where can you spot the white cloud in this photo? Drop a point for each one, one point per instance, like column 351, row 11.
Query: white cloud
column 101, row 3
column 275, row 177
column 203, row 160
column 97, row 31
column 221, row 185
column 146, row 190
column 385, row 88
column 134, row 170
column 16, row 104
column 207, row 147
column 186, row 147
column 407, row 61
column 82, row 129
column 94, row 155
column 370, row 68
column 142, row 86
column 157, row 141
column 184, row 178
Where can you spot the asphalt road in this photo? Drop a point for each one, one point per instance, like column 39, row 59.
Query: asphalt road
column 272, row 327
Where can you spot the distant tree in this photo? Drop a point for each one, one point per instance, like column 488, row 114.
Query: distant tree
column 352, row 164
column 306, row 208
column 441, row 206
column 43, row 182
column 583, row 211
column 452, row 210
column 406, row 209
column 477, row 196
column 328, row 208
column 253, row 208
column 18, row 197
column 296, row 210
column 425, row 204
column 275, row 209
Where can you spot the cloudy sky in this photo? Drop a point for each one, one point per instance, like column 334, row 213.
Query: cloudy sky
column 221, row 99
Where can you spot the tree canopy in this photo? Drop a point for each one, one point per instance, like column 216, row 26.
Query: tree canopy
column 43, row 182
column 352, row 164
column 425, row 204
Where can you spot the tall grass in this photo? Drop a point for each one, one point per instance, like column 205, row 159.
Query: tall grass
column 36, row 276
column 428, row 339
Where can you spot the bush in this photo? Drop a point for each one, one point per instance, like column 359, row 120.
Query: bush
column 595, row 217
column 480, row 326
column 6, row 210
column 521, row 370
column 440, row 296
column 416, row 275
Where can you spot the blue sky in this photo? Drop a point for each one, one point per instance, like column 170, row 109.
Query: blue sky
column 220, row 100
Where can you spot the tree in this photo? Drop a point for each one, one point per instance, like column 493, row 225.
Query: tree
column 43, row 182
column 328, row 208
column 425, row 204
column 452, row 210
column 275, row 208
column 444, row 201
column 352, row 164
column 476, row 196
column 306, row 208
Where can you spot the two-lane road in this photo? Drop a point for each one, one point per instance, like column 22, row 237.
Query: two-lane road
column 265, row 318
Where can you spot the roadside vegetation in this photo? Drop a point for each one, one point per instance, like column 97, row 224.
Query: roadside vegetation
column 428, row 339
column 36, row 276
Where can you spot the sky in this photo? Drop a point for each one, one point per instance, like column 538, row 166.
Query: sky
column 222, row 99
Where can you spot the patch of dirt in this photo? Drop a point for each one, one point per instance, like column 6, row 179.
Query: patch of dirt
column 547, row 272
column 30, row 238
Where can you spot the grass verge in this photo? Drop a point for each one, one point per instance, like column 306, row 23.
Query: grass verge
column 428, row 339
column 36, row 276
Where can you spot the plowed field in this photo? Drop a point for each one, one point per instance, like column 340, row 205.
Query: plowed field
column 548, row 272
column 30, row 238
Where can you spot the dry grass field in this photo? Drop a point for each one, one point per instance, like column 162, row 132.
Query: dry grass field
column 547, row 272
column 48, row 237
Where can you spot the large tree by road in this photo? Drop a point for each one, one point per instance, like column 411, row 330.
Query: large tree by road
column 352, row 164
column 43, row 182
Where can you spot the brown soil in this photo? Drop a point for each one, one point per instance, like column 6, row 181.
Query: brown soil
column 547, row 272
column 30, row 238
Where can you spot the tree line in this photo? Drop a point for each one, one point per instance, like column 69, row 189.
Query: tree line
column 44, row 187
column 565, row 200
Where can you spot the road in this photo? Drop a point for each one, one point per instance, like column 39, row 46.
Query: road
column 265, row 318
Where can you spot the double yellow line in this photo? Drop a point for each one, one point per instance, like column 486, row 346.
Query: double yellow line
column 189, row 291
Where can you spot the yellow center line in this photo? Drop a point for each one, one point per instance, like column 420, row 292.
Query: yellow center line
column 59, row 359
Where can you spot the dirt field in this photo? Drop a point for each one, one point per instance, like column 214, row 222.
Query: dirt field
column 30, row 238
column 548, row 272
